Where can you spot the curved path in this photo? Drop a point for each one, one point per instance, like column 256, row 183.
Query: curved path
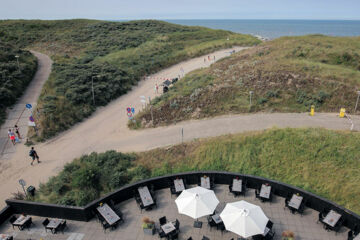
column 18, row 114
column 107, row 130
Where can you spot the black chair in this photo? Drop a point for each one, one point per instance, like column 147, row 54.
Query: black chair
column 62, row 227
column 27, row 224
column 12, row 220
column 190, row 238
column 257, row 193
column 161, row 233
column 174, row 235
column 45, row 223
column 177, row 224
column 211, row 222
column 321, row 216
column 162, row 220
column 105, row 225
column 302, row 207
column 350, row 235
column 220, row 227
column 269, row 224
column 258, row 237
column 205, row 238
column 338, row 225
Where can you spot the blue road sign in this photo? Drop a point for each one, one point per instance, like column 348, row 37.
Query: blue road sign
column 28, row 106
column 133, row 110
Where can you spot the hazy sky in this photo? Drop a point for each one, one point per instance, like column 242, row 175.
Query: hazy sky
column 180, row 9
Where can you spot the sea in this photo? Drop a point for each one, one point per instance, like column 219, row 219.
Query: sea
column 271, row 29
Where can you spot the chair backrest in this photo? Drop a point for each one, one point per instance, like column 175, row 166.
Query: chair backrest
column 12, row 219
column 162, row 220
column 205, row 238
column 177, row 224
column 269, row 224
column 45, row 222
column 190, row 238
column 320, row 216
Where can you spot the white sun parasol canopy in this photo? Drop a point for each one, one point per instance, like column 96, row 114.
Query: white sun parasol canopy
column 197, row 202
column 244, row 219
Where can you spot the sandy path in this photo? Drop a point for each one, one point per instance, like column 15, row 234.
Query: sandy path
column 18, row 114
column 107, row 129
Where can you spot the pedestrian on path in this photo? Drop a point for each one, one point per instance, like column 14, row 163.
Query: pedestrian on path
column 11, row 135
column 209, row 58
column 204, row 60
column 156, row 88
column 17, row 131
column 33, row 154
column 214, row 58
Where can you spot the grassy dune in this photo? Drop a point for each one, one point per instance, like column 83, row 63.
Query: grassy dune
column 115, row 54
column 321, row 161
column 12, row 81
column 288, row 74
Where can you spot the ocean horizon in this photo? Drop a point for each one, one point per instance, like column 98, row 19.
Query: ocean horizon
column 276, row 28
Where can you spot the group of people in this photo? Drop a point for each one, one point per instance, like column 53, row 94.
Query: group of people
column 14, row 135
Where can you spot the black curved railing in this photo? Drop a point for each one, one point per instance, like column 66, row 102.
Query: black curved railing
column 85, row 213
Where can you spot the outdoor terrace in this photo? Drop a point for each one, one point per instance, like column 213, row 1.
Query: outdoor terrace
column 305, row 227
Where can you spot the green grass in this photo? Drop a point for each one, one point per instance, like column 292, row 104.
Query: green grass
column 324, row 162
column 288, row 74
column 116, row 54
column 12, row 81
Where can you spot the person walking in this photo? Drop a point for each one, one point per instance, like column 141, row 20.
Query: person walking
column 11, row 136
column 156, row 88
column 33, row 154
column 209, row 58
column 214, row 58
column 204, row 60
column 17, row 131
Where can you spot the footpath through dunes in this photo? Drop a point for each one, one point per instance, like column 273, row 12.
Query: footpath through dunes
column 107, row 130
column 18, row 114
column 107, row 123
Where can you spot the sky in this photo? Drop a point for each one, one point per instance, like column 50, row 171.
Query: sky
column 180, row 9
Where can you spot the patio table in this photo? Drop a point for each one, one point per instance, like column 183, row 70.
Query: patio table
column 237, row 185
column 332, row 218
column 179, row 185
column 21, row 220
column 216, row 218
column 168, row 227
column 295, row 201
column 205, row 182
column 54, row 223
column 265, row 191
column 145, row 196
column 108, row 214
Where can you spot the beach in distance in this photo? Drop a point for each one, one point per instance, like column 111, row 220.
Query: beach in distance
column 277, row 28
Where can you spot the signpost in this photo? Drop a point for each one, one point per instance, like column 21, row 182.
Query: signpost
column 23, row 184
column 28, row 106
column 251, row 93
column 357, row 101
column 182, row 135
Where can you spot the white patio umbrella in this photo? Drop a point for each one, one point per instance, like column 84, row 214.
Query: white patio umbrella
column 196, row 202
column 244, row 219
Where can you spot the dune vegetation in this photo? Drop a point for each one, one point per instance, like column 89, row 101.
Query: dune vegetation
column 305, row 158
column 288, row 74
column 14, row 78
column 114, row 55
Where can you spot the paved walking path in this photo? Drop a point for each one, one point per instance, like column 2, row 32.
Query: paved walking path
column 18, row 114
column 106, row 129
